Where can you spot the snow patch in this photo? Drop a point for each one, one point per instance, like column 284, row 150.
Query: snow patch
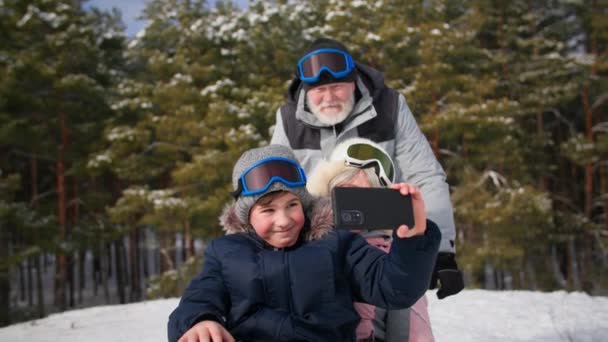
column 472, row 316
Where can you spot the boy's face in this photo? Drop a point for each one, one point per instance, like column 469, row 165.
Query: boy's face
column 279, row 221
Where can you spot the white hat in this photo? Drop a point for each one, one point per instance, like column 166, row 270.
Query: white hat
column 326, row 170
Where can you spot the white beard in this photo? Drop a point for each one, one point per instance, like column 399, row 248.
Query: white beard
column 332, row 117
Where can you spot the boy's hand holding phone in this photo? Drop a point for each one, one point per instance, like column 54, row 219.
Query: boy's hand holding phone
column 418, row 207
column 399, row 207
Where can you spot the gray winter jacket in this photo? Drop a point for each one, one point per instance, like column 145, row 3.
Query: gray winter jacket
column 396, row 132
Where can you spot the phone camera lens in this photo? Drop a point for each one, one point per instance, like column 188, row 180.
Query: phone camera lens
column 347, row 217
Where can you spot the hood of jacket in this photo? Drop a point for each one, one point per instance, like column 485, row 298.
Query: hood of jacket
column 319, row 214
column 370, row 83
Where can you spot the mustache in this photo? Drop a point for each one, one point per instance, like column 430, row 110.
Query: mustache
column 324, row 105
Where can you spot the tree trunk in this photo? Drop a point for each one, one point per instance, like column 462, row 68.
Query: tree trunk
column 109, row 256
column 530, row 275
column 46, row 262
column 188, row 241
column 490, row 280
column 573, row 267
column 96, row 274
column 158, row 255
column 82, row 255
column 508, row 280
column 145, row 253
column 555, row 266
column 30, row 282
column 125, row 263
column 21, row 281
column 542, row 181
column 39, row 286
column 166, row 257
column 61, row 262
column 134, row 265
column 39, row 258
column 498, row 279
column 34, row 182
column 585, row 256
column 586, row 260
column 71, row 280
column 120, row 287
column 589, row 167
column 5, row 283
column 183, row 248
column 104, row 264
column 598, row 239
column 172, row 250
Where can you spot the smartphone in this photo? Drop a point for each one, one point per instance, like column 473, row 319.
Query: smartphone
column 371, row 208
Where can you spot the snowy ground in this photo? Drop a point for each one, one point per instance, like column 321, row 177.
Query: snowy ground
column 472, row 315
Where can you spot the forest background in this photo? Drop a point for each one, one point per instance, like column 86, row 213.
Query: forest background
column 116, row 152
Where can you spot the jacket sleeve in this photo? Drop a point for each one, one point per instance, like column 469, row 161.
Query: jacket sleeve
column 278, row 135
column 398, row 279
column 204, row 299
column 418, row 165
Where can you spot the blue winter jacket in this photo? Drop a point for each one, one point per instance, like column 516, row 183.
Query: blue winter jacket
column 305, row 292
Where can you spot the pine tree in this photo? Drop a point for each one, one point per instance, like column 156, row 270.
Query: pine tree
column 54, row 91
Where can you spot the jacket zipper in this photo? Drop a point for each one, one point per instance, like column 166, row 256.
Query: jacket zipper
column 287, row 271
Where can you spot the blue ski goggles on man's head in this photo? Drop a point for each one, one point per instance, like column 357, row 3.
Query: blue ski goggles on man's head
column 336, row 62
column 363, row 155
column 261, row 175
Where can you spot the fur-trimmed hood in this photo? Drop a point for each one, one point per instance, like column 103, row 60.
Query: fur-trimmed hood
column 319, row 214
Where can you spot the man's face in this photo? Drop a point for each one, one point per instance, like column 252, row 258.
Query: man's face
column 331, row 103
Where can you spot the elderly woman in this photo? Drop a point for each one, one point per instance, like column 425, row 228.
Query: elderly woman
column 362, row 163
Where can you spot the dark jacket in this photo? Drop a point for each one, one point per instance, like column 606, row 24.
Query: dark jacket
column 305, row 292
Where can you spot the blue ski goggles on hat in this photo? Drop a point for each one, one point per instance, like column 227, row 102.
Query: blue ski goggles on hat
column 363, row 155
column 336, row 62
column 260, row 176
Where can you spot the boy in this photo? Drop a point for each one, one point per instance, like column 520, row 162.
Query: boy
column 283, row 274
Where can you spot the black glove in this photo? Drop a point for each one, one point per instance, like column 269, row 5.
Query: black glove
column 447, row 275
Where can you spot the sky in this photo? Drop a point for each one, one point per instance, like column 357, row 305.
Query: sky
column 470, row 316
column 131, row 9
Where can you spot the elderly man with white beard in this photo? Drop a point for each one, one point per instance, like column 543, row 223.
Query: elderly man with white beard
column 334, row 98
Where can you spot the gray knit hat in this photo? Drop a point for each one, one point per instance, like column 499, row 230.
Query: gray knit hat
column 248, row 158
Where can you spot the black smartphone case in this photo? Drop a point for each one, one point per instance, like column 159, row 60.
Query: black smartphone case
column 371, row 208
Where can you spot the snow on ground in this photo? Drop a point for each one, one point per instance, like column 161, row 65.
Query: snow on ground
column 472, row 315
column 518, row 316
